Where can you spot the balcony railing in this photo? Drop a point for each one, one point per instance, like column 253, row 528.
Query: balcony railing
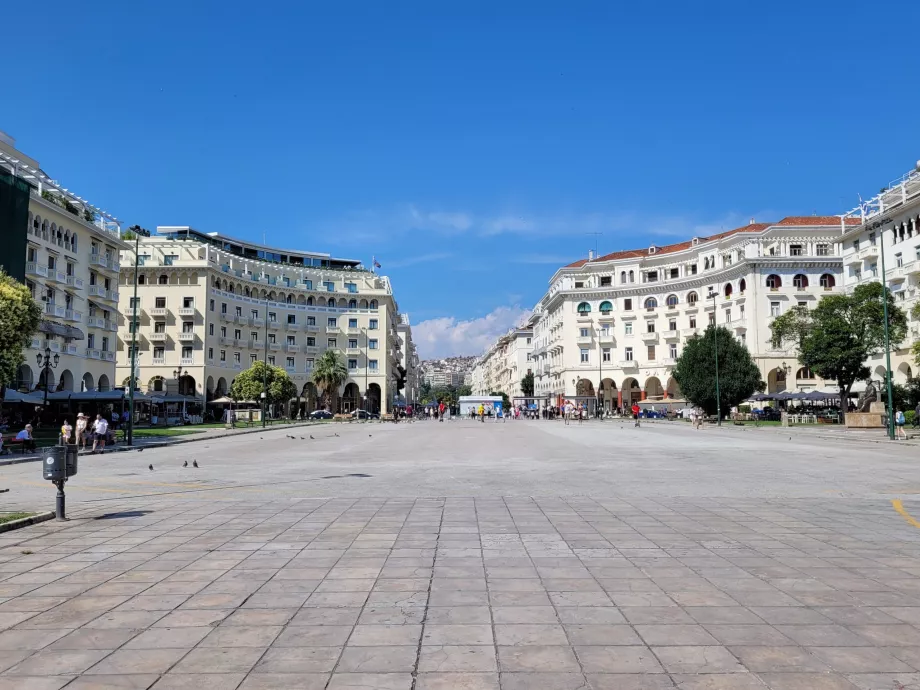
column 108, row 356
column 583, row 339
column 671, row 335
column 95, row 322
column 187, row 311
column 36, row 343
column 71, row 315
column 236, row 365
column 52, row 345
column 650, row 337
column 352, row 330
column 57, row 276
column 158, row 361
column 332, row 330
column 157, row 337
column 353, row 350
column 187, row 360
column 224, row 316
column 70, row 350
column 93, row 353
column 291, row 347
column 274, row 347
column 75, row 282
column 689, row 332
column 291, row 326
column 256, row 322
column 312, row 328
column 274, row 324
column 36, row 269
column 868, row 252
column 98, row 291
column 186, row 336
column 255, row 344
column 311, row 349
column 57, row 310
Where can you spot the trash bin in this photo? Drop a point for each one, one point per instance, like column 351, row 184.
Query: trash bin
column 72, row 455
column 54, row 465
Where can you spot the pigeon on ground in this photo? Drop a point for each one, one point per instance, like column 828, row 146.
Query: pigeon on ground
column 370, row 436
column 150, row 467
column 140, row 450
column 185, row 463
column 194, row 463
column 311, row 437
column 336, row 435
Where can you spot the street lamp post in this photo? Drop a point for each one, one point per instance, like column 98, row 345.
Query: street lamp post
column 891, row 409
column 264, row 395
column 715, row 341
column 131, row 378
column 45, row 364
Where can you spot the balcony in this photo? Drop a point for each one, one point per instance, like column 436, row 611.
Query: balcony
column 186, row 337
column 57, row 276
column 229, row 342
column 332, row 330
column 629, row 364
column 290, row 370
column 312, row 328
column 71, row 315
column 158, row 312
column 52, row 345
column 649, row 337
column 870, row 252
column 34, row 269
column 70, row 350
column 98, row 291
column 274, row 324
column 672, row 336
column 236, row 365
column 240, row 319
column 36, row 344
column 255, row 344
column 689, row 332
column 57, row 310
column 93, row 353
column 158, row 361
column 291, row 326
column 157, row 337
column 187, row 361
column 311, row 349
column 74, row 282
column 291, row 347
column 668, row 361
column 274, row 347
column 95, row 322
column 583, row 340
column 353, row 350
column 354, row 331
column 108, row 356
column 256, row 322
column 187, row 311
column 224, row 316
column 607, row 338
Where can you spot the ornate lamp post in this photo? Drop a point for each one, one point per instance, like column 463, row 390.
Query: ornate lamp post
column 45, row 364
column 715, row 342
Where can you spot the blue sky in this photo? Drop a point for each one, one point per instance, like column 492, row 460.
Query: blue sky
column 470, row 146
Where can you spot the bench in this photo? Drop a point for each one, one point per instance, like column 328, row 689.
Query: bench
column 10, row 441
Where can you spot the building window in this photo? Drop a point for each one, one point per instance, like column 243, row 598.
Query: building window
column 332, row 322
column 290, row 362
column 672, row 300
column 163, row 280
column 308, row 284
column 372, row 344
column 800, row 281
column 271, row 360
column 898, row 260
column 160, row 303
column 352, row 323
column 605, row 308
column 353, row 343
column 605, row 354
column 651, row 303
column 292, row 319
column 584, row 308
column 649, row 326
column 583, row 332
column 372, row 325
column 372, row 365
column 712, row 318
column 628, row 326
column 774, row 282
column 239, row 311
column 774, row 309
column 134, row 302
column 271, row 338
column 352, row 364
column 331, row 343
column 309, row 366
column 236, row 357
column 672, row 351
column 291, row 340
column 692, row 297
column 627, row 304
column 159, row 352
column 272, row 317
column 672, row 325
column 796, row 250
column 210, row 353
column 728, row 316
column 105, row 343
column 651, row 353
column 311, row 341
column 584, row 356
column 223, row 355
column 652, row 276
column 252, row 358
column 351, row 287
column 159, row 327
column 692, row 322
column 823, row 249
column 328, row 286
column 628, row 354
column 827, row 281
column 186, row 352
column 605, row 281
column 311, row 320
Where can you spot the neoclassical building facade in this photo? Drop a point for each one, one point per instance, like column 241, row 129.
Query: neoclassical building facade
column 610, row 328
column 208, row 306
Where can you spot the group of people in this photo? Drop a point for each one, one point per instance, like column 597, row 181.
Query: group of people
column 96, row 431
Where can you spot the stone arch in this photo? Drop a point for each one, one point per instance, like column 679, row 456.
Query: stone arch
column 220, row 388
column 142, row 279
column 103, row 383
column 246, row 292
column 342, row 303
column 308, row 393
column 672, row 301
column 608, row 393
column 373, row 398
column 25, row 379
column 193, row 278
column 352, row 303
column 800, row 280
column 282, row 297
column 231, row 288
column 330, row 302
column 653, row 388
column 904, row 373
column 163, row 279
column 373, row 304
column 584, row 308
column 727, row 290
column 351, row 397
column 673, row 389
column 631, row 392
column 301, row 300
column 186, row 385
column 584, row 387
column 157, row 384
column 362, row 304
column 742, row 286
column 774, row 282
column 310, row 301
column 209, row 386
column 88, row 383
column 46, row 381
column 650, row 303
column 65, row 381
column 776, row 380
column 692, row 297
column 827, row 281
column 880, row 373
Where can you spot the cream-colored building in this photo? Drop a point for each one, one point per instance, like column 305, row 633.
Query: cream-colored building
column 888, row 224
column 409, row 360
column 210, row 305
column 611, row 328
column 504, row 364
column 72, row 267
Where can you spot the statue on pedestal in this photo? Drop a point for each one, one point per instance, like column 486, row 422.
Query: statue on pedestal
column 868, row 396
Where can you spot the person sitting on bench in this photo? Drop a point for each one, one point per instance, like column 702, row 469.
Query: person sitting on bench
column 25, row 437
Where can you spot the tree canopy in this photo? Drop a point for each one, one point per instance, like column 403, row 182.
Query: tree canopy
column 19, row 319
column 506, row 401
column 527, row 385
column 449, row 395
column 838, row 336
column 248, row 384
column 329, row 372
column 695, row 371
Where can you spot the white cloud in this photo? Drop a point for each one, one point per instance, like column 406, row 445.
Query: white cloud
column 413, row 260
column 552, row 259
column 447, row 336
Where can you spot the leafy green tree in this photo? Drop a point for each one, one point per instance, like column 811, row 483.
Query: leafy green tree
column 329, row 373
column 527, row 385
column 248, row 384
column 19, row 319
column 465, row 389
column 838, row 336
column 695, row 371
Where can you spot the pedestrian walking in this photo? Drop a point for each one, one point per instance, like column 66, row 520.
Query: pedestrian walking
column 635, row 411
column 899, row 421
column 81, row 431
column 100, row 433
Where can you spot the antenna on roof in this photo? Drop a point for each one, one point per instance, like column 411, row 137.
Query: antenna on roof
column 595, row 240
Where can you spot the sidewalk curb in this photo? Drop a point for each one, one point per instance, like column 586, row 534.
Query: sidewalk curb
column 25, row 522
column 180, row 440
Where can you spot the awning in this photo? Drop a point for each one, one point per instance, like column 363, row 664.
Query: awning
column 60, row 329
column 174, row 397
column 13, row 396
column 87, row 396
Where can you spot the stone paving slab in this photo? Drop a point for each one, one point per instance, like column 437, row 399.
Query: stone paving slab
column 499, row 592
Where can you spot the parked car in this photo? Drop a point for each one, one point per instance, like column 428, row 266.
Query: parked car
column 653, row 414
column 767, row 414
column 364, row 414
column 321, row 414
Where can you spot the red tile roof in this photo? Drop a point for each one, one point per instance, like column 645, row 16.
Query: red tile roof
column 804, row 221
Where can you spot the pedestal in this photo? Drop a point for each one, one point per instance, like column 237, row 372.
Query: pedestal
column 873, row 419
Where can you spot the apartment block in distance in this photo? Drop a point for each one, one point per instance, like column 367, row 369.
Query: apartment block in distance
column 208, row 306
column 71, row 252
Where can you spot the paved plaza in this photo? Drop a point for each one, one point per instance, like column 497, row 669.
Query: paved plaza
column 517, row 555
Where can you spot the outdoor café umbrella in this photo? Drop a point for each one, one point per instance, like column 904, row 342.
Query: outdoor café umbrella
column 13, row 396
column 818, row 396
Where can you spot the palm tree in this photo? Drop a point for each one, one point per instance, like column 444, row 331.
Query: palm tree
column 329, row 373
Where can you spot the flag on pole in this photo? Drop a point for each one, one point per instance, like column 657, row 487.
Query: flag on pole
column 376, row 263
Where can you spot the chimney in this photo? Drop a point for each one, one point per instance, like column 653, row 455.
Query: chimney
column 752, row 220
column 590, row 255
